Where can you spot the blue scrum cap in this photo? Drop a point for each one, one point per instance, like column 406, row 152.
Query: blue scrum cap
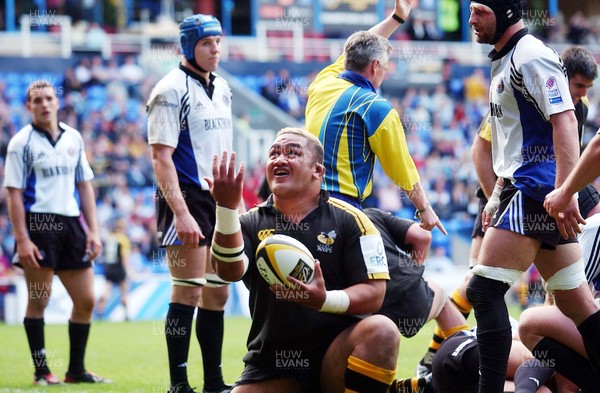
column 193, row 29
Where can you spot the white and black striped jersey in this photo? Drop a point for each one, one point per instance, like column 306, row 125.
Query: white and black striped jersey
column 528, row 85
column 47, row 171
column 192, row 118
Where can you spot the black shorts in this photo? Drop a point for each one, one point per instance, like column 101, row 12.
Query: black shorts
column 455, row 365
column 60, row 239
column 478, row 227
column 114, row 273
column 410, row 307
column 201, row 206
column 307, row 377
column 524, row 215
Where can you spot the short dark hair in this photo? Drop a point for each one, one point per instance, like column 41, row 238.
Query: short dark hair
column 579, row 61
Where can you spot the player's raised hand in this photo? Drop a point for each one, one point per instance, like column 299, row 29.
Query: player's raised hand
column 226, row 185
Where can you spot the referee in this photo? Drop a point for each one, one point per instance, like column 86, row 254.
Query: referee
column 46, row 166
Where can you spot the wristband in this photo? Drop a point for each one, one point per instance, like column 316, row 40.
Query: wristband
column 227, row 221
column 398, row 19
column 226, row 254
column 336, row 302
column 418, row 212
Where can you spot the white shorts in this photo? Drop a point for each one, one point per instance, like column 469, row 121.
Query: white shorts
column 589, row 239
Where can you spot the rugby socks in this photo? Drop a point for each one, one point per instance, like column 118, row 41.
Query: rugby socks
column 569, row 363
column 532, row 374
column 591, row 339
column 493, row 330
column 34, row 328
column 78, row 337
column 449, row 332
column 178, row 331
column 209, row 331
column 461, row 303
column 364, row 377
column 412, row 385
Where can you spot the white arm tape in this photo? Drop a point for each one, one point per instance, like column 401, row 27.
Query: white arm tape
column 336, row 302
column 227, row 254
column 227, row 221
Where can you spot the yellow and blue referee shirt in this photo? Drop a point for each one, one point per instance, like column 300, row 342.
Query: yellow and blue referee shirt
column 355, row 126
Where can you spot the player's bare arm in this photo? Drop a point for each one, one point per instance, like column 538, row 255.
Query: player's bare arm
column 566, row 151
column 481, row 153
column 27, row 250
column 365, row 297
column 88, row 206
column 586, row 170
column 187, row 228
column 226, row 188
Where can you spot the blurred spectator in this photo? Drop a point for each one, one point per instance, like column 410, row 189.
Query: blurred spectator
column 579, row 27
column 83, row 72
column 96, row 37
column 132, row 75
column 476, row 86
column 269, row 87
column 71, row 82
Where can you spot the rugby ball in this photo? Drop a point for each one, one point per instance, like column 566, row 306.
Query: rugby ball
column 280, row 256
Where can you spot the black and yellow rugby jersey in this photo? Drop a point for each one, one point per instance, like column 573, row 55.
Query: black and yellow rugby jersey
column 350, row 250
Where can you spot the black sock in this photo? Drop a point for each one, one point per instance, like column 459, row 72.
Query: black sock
column 178, row 331
column 209, row 331
column 567, row 362
column 78, row 337
column 34, row 328
column 532, row 374
column 493, row 330
column 589, row 330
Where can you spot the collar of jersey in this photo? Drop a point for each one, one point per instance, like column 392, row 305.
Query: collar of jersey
column 197, row 76
column 509, row 45
column 324, row 197
column 47, row 134
column 357, row 79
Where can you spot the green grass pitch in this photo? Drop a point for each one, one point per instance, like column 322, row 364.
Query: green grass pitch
column 134, row 355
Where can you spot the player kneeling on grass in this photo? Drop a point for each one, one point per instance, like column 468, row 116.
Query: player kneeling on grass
column 320, row 336
column 45, row 166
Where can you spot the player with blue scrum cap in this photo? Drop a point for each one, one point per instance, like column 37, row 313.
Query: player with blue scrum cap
column 189, row 120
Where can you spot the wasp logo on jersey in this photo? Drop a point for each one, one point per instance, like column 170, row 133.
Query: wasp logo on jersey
column 265, row 233
column 327, row 238
column 326, row 241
